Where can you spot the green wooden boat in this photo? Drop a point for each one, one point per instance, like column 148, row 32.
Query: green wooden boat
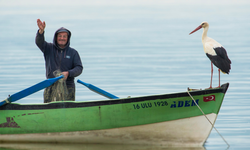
column 164, row 120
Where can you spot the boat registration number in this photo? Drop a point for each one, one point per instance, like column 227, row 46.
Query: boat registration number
column 149, row 105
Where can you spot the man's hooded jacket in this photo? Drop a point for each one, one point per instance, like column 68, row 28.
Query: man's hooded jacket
column 66, row 59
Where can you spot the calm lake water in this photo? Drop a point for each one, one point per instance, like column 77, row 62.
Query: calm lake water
column 133, row 48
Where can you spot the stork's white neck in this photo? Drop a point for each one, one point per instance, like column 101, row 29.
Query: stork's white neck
column 204, row 34
column 208, row 43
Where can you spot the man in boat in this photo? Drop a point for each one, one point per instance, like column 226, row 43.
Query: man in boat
column 59, row 56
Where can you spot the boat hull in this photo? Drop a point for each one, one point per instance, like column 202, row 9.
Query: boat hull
column 163, row 120
column 190, row 132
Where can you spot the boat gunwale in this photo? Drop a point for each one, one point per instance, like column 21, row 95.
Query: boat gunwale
column 75, row 104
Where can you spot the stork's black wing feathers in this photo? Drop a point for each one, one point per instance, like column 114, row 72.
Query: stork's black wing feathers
column 220, row 60
column 220, row 51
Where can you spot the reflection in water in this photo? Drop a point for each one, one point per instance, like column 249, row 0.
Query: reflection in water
column 46, row 146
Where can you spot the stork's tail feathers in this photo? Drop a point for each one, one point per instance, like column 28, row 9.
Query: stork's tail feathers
column 224, row 72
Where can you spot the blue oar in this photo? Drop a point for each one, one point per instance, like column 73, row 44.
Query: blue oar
column 98, row 90
column 31, row 90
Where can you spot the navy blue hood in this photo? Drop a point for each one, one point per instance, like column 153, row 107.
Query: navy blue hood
column 62, row 29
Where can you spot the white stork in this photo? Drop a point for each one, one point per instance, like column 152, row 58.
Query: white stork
column 214, row 51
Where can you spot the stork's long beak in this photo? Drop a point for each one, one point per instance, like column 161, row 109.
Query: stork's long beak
column 198, row 28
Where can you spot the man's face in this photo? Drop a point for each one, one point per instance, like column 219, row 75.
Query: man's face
column 62, row 39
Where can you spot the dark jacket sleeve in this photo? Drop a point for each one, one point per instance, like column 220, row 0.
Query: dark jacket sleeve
column 77, row 69
column 40, row 41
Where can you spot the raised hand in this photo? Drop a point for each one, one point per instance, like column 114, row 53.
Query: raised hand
column 41, row 25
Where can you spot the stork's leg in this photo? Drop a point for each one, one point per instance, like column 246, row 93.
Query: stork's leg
column 212, row 70
column 219, row 77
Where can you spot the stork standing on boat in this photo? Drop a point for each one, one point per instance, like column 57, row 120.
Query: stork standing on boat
column 215, row 52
